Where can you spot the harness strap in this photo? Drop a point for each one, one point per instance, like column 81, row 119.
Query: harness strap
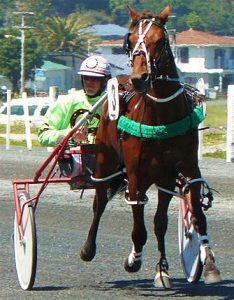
column 185, row 187
column 108, row 177
column 167, row 78
column 167, row 99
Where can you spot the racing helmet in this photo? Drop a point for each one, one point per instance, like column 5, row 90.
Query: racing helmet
column 95, row 65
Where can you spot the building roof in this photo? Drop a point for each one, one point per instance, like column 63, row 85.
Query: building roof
column 107, row 31
column 49, row 65
column 195, row 37
column 188, row 37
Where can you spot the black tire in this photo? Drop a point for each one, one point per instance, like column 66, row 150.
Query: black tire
column 26, row 248
column 189, row 246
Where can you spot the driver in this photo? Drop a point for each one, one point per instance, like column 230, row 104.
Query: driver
column 95, row 71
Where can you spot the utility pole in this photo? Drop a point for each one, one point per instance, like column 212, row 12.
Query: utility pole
column 22, row 28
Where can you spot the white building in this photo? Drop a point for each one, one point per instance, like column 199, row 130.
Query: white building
column 202, row 55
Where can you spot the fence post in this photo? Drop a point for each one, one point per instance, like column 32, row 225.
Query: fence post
column 200, row 139
column 8, row 124
column 53, row 93
column 230, row 125
column 27, row 122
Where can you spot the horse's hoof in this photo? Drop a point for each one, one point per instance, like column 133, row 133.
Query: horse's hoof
column 87, row 255
column 212, row 276
column 134, row 268
column 162, row 280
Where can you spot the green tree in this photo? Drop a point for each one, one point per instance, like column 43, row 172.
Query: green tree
column 65, row 34
column 216, row 15
column 120, row 11
column 97, row 16
column 213, row 15
column 66, row 7
column 193, row 20
column 41, row 8
column 6, row 7
column 10, row 55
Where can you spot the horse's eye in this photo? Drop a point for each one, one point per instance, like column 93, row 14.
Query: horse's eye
column 127, row 44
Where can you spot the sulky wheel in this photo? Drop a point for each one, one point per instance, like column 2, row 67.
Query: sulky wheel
column 26, row 247
column 189, row 245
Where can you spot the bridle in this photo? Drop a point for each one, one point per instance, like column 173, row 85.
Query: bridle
column 140, row 47
column 153, row 65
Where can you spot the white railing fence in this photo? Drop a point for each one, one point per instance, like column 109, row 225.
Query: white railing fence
column 230, row 125
column 53, row 95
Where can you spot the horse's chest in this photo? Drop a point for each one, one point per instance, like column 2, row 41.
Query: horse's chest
column 163, row 152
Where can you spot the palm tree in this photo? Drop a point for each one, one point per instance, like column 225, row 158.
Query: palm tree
column 66, row 34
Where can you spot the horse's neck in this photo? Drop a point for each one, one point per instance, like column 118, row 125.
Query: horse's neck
column 175, row 108
column 164, row 88
column 168, row 68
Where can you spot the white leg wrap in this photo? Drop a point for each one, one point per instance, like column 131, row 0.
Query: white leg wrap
column 203, row 254
column 204, row 243
column 134, row 256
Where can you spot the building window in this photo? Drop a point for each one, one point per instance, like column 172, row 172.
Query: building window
column 219, row 58
column 118, row 50
column 184, row 55
column 232, row 53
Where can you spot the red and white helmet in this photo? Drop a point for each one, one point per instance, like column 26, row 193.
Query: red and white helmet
column 96, row 66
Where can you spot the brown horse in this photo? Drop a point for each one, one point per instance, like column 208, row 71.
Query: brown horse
column 156, row 139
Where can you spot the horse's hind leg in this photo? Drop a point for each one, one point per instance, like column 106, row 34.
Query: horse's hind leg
column 162, row 278
column 88, row 250
column 211, row 274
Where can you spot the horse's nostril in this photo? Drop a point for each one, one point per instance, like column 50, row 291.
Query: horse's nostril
column 145, row 76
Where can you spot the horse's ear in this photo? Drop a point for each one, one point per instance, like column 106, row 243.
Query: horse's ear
column 165, row 14
column 133, row 13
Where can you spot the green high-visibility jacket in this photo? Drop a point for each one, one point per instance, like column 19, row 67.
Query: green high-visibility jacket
column 59, row 115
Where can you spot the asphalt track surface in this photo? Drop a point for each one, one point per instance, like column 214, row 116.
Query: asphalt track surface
column 63, row 221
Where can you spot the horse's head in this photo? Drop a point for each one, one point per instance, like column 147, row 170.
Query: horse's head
column 146, row 45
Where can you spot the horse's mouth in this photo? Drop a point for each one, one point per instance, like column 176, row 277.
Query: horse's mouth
column 140, row 83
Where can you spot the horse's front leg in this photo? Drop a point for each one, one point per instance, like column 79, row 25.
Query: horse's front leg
column 88, row 250
column 139, row 234
column 162, row 278
column 198, row 219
